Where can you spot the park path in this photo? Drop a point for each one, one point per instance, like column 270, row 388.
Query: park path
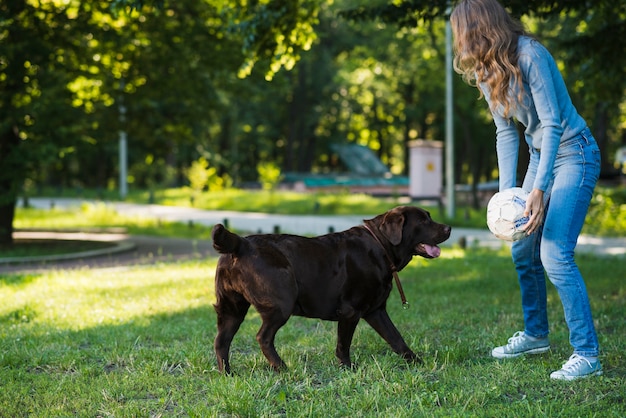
column 149, row 250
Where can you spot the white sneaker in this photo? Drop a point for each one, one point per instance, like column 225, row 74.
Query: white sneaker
column 520, row 344
column 578, row 367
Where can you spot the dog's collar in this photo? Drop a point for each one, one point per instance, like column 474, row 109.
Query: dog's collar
column 394, row 269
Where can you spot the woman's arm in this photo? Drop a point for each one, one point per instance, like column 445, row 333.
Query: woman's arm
column 539, row 71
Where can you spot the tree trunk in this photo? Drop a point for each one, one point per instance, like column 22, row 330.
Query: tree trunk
column 10, row 180
column 7, row 214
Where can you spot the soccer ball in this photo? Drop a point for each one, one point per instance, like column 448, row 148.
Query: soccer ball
column 505, row 214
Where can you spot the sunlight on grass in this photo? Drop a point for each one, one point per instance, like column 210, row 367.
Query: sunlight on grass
column 100, row 215
column 89, row 215
column 283, row 202
column 80, row 299
column 606, row 215
column 137, row 341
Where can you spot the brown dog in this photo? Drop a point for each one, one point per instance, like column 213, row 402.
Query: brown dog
column 343, row 277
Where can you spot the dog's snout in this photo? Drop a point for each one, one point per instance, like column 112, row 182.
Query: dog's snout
column 445, row 232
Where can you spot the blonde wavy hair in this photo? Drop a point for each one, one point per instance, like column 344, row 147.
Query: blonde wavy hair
column 485, row 49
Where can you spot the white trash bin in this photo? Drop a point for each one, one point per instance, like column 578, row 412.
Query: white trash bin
column 425, row 169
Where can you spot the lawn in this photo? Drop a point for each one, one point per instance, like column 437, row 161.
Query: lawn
column 137, row 341
column 606, row 216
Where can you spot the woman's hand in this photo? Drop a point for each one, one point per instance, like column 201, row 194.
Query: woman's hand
column 534, row 209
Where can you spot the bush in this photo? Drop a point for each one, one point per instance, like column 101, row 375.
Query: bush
column 202, row 176
column 607, row 213
column 269, row 175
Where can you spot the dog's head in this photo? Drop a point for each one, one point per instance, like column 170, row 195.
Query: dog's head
column 411, row 231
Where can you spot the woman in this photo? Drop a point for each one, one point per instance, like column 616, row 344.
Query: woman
column 521, row 82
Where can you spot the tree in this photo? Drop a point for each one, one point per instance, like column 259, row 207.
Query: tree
column 35, row 106
column 236, row 82
column 66, row 67
column 590, row 38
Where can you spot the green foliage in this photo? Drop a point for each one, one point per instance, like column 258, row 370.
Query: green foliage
column 137, row 341
column 199, row 174
column 151, row 173
column 607, row 213
column 269, row 175
column 202, row 177
column 273, row 32
column 166, row 74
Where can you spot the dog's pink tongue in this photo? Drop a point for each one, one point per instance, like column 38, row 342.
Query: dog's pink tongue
column 432, row 250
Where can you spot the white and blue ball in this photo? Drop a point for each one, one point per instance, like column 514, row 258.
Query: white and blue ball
column 505, row 214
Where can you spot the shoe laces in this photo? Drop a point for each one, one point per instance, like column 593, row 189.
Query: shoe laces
column 572, row 364
column 516, row 339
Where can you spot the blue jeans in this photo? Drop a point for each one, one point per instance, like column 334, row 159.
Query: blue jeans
column 551, row 248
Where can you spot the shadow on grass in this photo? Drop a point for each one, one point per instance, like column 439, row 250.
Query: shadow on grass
column 163, row 364
column 161, row 335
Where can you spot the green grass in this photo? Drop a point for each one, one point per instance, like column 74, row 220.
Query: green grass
column 137, row 341
column 101, row 216
column 606, row 216
column 285, row 202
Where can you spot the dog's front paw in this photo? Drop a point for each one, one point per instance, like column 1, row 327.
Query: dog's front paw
column 347, row 366
column 279, row 367
column 411, row 357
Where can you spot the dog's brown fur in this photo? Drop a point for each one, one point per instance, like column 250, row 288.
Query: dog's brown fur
column 343, row 277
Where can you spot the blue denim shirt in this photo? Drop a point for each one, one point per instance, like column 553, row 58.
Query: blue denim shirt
column 547, row 113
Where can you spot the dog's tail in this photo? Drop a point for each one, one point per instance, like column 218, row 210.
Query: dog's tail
column 224, row 241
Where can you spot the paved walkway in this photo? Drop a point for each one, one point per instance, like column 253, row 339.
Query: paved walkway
column 142, row 250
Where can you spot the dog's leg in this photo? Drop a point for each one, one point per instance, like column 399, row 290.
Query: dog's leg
column 380, row 321
column 273, row 319
column 231, row 312
column 345, row 332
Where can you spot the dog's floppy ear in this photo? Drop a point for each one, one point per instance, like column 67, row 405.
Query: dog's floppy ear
column 391, row 228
